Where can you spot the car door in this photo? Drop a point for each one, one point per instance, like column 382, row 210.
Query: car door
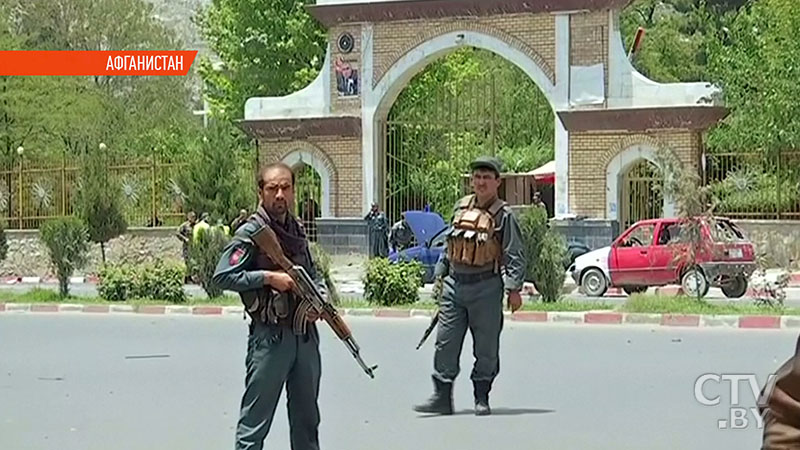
column 664, row 255
column 630, row 256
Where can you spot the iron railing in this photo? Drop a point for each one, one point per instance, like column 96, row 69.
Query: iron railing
column 32, row 192
column 755, row 185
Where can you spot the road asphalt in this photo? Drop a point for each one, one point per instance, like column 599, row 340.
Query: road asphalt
column 86, row 382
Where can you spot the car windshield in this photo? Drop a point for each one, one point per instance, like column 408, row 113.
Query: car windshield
column 726, row 231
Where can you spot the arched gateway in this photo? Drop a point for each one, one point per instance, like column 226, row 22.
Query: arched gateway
column 572, row 50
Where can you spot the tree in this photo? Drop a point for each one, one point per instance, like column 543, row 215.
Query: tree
column 268, row 47
column 120, row 111
column 756, row 61
column 204, row 255
column 695, row 210
column 66, row 240
column 219, row 178
column 545, row 251
column 100, row 200
column 675, row 47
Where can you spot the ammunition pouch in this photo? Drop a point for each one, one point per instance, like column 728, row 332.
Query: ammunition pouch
column 269, row 307
column 472, row 240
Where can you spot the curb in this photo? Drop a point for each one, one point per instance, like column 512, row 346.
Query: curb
column 794, row 281
column 557, row 317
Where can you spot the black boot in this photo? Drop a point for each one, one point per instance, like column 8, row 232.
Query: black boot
column 441, row 402
column 481, row 391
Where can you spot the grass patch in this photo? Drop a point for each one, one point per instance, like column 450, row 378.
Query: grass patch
column 41, row 295
column 637, row 303
column 654, row 304
column 561, row 305
column 566, row 305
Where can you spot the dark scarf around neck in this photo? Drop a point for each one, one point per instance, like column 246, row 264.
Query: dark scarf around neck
column 291, row 236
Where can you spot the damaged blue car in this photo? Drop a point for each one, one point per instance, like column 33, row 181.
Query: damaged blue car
column 429, row 240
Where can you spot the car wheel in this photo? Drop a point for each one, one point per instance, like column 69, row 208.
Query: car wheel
column 630, row 290
column 735, row 287
column 594, row 283
column 695, row 283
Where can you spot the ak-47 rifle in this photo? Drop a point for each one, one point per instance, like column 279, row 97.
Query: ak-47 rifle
column 309, row 294
column 438, row 287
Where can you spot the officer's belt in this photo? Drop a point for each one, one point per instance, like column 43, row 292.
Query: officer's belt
column 471, row 278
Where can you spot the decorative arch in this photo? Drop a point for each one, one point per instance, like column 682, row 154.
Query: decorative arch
column 311, row 155
column 464, row 26
column 443, row 40
column 625, row 154
column 553, row 83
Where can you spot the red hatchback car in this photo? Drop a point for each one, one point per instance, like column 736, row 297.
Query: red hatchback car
column 654, row 253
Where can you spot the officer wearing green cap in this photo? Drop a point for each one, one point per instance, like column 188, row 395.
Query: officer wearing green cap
column 483, row 260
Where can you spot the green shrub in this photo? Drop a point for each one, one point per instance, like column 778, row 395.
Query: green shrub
column 322, row 262
column 545, row 251
column 392, row 284
column 99, row 201
column 533, row 223
column 159, row 281
column 204, row 255
column 67, row 242
column 218, row 176
column 116, row 283
column 548, row 269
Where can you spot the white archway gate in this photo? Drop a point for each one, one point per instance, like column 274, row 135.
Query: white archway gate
column 573, row 51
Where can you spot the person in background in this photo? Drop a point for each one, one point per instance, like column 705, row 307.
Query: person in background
column 222, row 227
column 401, row 235
column 239, row 220
column 537, row 200
column 200, row 226
column 378, row 226
column 185, row 233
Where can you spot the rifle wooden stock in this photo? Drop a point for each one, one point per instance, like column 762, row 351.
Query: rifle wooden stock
column 310, row 296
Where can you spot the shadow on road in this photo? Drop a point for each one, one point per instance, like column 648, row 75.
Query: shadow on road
column 497, row 412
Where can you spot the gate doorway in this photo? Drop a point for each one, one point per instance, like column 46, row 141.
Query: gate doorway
column 642, row 195
column 469, row 103
column 308, row 198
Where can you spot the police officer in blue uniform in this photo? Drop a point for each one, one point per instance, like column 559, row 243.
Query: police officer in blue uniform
column 483, row 261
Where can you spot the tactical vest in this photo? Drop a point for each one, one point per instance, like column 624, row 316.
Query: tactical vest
column 277, row 308
column 472, row 240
